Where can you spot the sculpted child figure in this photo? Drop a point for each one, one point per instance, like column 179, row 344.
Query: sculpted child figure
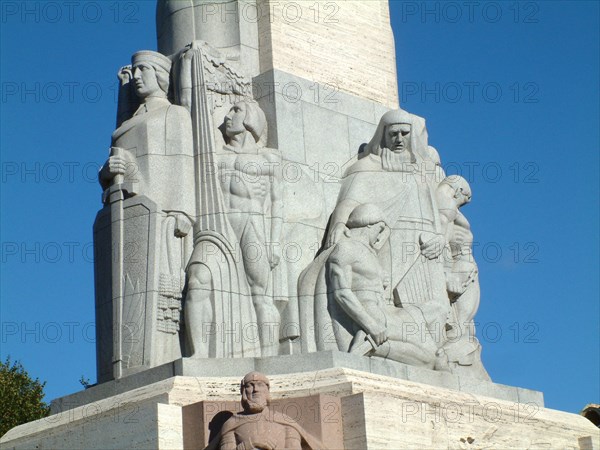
column 462, row 279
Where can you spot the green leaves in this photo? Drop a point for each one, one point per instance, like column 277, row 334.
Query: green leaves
column 21, row 398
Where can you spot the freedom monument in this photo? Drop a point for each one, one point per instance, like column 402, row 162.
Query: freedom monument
column 310, row 246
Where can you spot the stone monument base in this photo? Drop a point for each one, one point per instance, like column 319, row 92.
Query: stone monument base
column 369, row 410
column 314, row 363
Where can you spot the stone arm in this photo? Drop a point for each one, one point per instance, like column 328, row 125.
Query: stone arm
column 459, row 268
column 340, row 274
column 462, row 237
column 446, row 226
column 447, row 209
column 463, row 266
column 184, row 88
column 117, row 163
column 293, row 441
column 228, row 442
column 337, row 222
column 276, row 209
column 128, row 101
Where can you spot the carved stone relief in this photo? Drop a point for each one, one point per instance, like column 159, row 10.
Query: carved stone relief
column 394, row 278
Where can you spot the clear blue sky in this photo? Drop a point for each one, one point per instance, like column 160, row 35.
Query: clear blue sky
column 510, row 93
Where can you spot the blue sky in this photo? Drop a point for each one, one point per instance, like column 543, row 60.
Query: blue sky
column 510, row 92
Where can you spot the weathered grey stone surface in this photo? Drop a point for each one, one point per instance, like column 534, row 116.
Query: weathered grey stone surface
column 316, row 41
column 273, row 185
column 313, row 123
column 336, row 44
column 308, row 186
column 258, row 181
column 361, row 320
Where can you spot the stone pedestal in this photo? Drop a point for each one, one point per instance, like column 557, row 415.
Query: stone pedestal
column 372, row 411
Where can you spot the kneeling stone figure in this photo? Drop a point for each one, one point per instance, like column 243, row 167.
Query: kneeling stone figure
column 362, row 320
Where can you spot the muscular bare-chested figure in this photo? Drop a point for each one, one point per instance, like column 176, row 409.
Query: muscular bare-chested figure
column 251, row 182
column 357, row 281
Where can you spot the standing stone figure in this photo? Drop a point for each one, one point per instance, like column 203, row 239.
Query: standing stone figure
column 151, row 165
column 358, row 309
column 259, row 427
column 157, row 139
column 250, row 177
column 463, row 348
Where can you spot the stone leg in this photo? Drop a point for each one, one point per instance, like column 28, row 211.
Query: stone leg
column 269, row 320
column 410, row 341
column 404, row 352
column 256, row 265
column 198, row 310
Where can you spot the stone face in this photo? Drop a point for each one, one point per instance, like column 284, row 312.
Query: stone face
column 261, row 424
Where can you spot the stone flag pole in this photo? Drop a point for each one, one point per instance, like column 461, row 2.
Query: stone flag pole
column 274, row 227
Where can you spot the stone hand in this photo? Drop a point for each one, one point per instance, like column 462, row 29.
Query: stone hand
column 125, row 75
column 116, row 165
column 336, row 234
column 274, row 256
column 379, row 335
column 433, row 247
column 192, row 48
column 182, row 225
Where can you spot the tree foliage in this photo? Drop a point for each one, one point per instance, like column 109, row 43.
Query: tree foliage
column 21, row 397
